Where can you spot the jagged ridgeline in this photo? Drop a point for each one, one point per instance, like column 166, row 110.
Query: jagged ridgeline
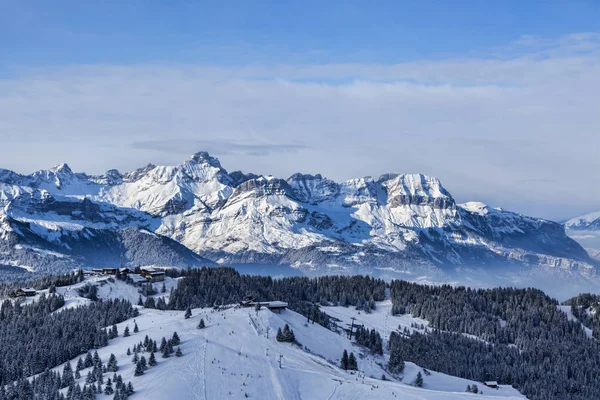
column 514, row 336
column 197, row 212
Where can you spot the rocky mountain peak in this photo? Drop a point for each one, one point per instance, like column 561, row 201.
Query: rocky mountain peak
column 202, row 157
column 62, row 169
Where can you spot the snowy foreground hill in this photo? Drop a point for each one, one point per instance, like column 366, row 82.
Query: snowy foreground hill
column 235, row 358
column 198, row 213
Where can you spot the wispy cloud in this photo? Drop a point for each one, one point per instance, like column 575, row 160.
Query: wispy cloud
column 218, row 146
column 486, row 126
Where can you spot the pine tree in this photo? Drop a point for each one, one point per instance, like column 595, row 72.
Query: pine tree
column 188, row 313
column 67, row 375
column 178, row 353
column 79, row 364
column 108, row 389
column 175, row 339
column 150, row 302
column 130, row 390
column 139, row 369
column 135, row 358
column 126, row 331
column 352, row 364
column 165, row 352
column 140, row 302
column 88, row 360
column 163, row 344
column 97, row 372
column 152, row 360
column 345, row 361
column 474, row 389
column 419, row 380
column 164, row 288
column 288, row 334
column 143, row 363
column 279, row 336
column 135, row 328
column 112, row 365
column 201, row 325
column 128, row 351
column 396, row 363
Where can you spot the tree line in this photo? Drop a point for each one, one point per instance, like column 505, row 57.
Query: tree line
column 33, row 337
column 517, row 337
column 208, row 287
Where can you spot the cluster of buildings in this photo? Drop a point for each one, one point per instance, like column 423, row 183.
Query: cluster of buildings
column 139, row 275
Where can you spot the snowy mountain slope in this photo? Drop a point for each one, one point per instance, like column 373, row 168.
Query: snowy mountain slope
column 407, row 223
column 380, row 318
column 588, row 222
column 233, row 357
column 586, row 231
column 46, row 249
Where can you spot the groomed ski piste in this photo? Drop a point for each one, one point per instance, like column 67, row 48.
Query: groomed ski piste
column 237, row 357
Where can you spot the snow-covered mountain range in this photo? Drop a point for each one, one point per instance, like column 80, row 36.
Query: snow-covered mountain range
column 586, row 230
column 588, row 222
column 197, row 213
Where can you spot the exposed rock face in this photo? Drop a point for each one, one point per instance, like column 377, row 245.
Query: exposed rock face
column 178, row 214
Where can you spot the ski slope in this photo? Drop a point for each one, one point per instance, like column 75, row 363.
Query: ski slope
column 236, row 355
column 569, row 312
column 380, row 319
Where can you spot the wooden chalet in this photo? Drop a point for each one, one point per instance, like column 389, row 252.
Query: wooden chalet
column 153, row 275
column 111, row 271
column 26, row 292
column 491, row 384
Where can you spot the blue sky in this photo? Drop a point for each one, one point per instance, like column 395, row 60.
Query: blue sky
column 499, row 99
column 44, row 33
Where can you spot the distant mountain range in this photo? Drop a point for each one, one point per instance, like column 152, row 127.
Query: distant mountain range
column 586, row 231
column 588, row 222
column 198, row 213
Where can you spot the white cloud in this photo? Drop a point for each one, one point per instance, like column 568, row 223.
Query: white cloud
column 517, row 128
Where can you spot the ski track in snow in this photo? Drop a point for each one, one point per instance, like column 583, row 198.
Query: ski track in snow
column 237, row 354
